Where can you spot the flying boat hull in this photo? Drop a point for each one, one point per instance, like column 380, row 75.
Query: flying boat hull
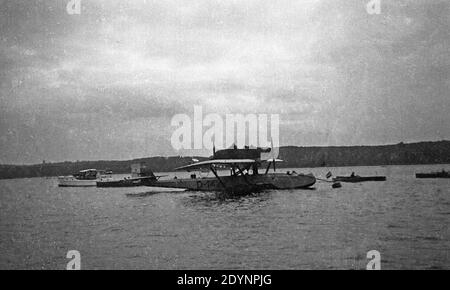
column 240, row 184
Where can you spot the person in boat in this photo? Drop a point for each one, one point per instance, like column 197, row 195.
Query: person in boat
column 353, row 174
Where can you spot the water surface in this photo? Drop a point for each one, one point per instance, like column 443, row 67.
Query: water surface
column 405, row 219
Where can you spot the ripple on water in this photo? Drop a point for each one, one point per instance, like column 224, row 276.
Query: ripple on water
column 405, row 219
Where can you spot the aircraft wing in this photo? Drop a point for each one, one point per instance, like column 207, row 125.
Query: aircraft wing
column 223, row 162
column 271, row 160
column 145, row 177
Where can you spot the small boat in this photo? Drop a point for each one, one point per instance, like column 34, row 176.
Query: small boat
column 127, row 182
column 441, row 174
column 336, row 185
column 84, row 178
column 140, row 176
column 357, row 178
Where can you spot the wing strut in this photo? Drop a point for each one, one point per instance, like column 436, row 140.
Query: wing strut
column 217, row 176
column 268, row 167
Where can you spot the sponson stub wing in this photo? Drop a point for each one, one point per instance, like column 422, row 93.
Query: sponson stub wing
column 222, row 162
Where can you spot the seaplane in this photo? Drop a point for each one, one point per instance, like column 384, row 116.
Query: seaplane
column 244, row 176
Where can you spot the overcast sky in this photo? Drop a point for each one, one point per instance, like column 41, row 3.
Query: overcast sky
column 105, row 84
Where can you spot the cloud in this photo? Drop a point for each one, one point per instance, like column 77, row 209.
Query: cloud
column 105, row 84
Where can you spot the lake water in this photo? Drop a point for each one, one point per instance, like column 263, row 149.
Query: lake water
column 405, row 219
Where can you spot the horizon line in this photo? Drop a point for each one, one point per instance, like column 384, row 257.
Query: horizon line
column 190, row 156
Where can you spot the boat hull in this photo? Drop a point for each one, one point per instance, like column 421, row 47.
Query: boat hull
column 239, row 184
column 70, row 181
column 119, row 183
column 355, row 179
column 433, row 175
column 125, row 182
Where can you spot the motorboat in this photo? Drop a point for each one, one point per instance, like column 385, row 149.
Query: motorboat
column 356, row 178
column 84, row 178
column 440, row 174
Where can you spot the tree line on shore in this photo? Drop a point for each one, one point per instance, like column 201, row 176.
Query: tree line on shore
column 293, row 157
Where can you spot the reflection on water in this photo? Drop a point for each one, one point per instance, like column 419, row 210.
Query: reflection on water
column 404, row 218
column 203, row 201
column 147, row 193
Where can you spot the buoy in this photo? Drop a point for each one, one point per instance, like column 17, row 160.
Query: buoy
column 336, row 185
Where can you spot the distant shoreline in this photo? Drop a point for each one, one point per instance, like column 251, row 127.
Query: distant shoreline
column 278, row 168
column 421, row 153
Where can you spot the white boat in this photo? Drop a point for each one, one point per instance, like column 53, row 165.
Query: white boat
column 84, row 178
